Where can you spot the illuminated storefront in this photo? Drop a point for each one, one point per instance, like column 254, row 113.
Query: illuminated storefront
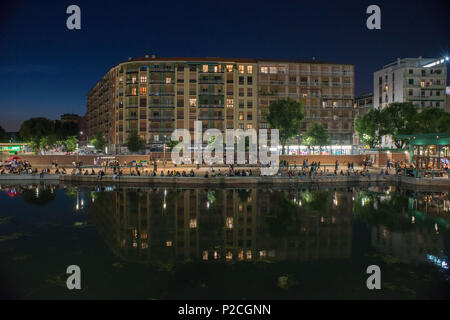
column 430, row 150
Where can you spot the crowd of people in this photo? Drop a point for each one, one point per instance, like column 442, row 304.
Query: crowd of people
column 306, row 169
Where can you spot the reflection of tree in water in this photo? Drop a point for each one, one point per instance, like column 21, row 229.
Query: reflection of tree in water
column 316, row 200
column 211, row 196
column 390, row 211
column 71, row 192
column 244, row 194
column 40, row 195
column 284, row 217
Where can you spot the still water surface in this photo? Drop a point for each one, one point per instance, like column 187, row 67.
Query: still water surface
column 197, row 243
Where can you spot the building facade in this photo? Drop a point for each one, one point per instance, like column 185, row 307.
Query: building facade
column 417, row 80
column 154, row 96
column 364, row 103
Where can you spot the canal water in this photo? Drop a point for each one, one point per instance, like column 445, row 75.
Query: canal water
column 232, row 243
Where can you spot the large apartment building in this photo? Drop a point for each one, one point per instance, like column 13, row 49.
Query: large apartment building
column 155, row 95
column 417, row 80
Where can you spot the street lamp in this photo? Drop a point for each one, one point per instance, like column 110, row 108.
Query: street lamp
column 164, row 150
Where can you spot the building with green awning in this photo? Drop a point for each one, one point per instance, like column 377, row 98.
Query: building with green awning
column 429, row 150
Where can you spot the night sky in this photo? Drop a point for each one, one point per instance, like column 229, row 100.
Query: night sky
column 47, row 70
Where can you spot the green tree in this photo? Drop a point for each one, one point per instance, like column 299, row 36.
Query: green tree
column 70, row 143
column 368, row 127
column 99, row 142
column 134, row 141
column 171, row 144
column 316, row 135
column 34, row 129
column 4, row 136
column 66, row 129
column 286, row 116
column 432, row 120
column 398, row 118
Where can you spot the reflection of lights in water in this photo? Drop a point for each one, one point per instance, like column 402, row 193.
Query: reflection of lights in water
column 438, row 261
column 229, row 223
column 165, row 192
column 164, row 205
column 322, row 219
column 413, row 219
column 207, row 204
column 436, row 228
column 37, row 192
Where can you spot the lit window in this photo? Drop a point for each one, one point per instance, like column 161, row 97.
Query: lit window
column 168, row 79
column 133, row 91
column 229, row 255
column 133, row 79
column 143, row 90
column 264, row 69
column 205, row 255
column 241, row 68
column 168, row 243
column 250, row 69
column 121, row 79
column 230, row 103
column 205, row 68
column 241, row 116
column 273, row 70
column 229, row 223
column 229, row 67
column 249, row 126
column 249, row 255
column 193, row 102
column 241, row 255
column 193, row 223
column 143, row 78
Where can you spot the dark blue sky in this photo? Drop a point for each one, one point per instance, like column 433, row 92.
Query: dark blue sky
column 46, row 69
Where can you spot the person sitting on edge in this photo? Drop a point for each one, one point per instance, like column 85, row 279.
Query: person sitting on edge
column 213, row 173
column 161, row 174
column 206, row 174
column 192, row 174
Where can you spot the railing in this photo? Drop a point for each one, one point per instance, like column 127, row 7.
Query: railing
column 162, row 106
column 210, row 105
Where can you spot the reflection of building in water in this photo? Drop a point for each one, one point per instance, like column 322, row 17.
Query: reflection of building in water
column 224, row 224
column 418, row 233
column 412, row 246
column 431, row 203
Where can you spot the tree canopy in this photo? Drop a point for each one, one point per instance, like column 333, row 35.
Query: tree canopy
column 396, row 119
column 286, row 116
column 4, row 136
column 316, row 135
column 134, row 141
column 400, row 118
column 99, row 142
column 34, row 129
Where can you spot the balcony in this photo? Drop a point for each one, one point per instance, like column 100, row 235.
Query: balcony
column 207, row 93
column 210, row 81
column 211, row 106
column 162, row 69
column 162, row 117
column 161, row 105
column 161, row 129
column 162, row 94
column 210, row 117
column 131, row 117
column 159, row 81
